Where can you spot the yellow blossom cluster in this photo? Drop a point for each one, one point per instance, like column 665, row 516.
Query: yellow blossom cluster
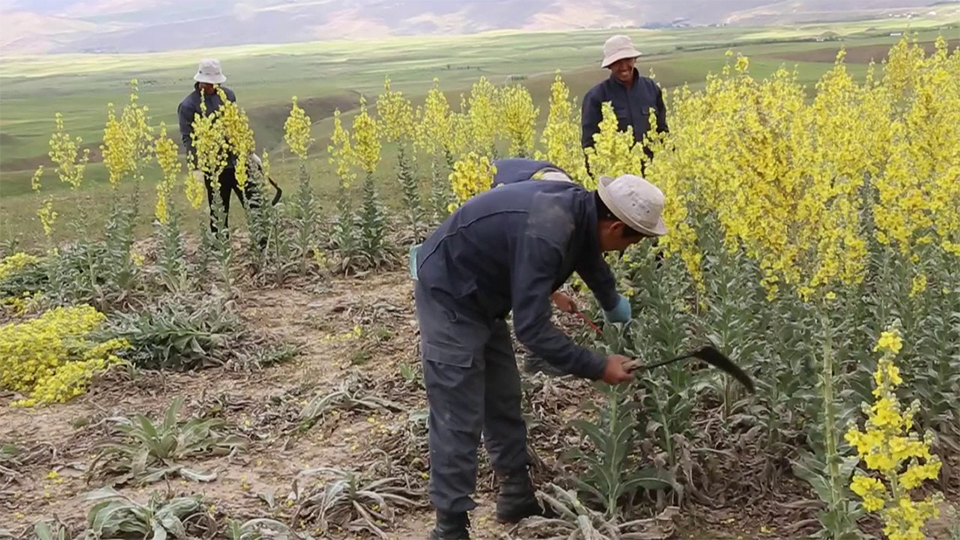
column 471, row 175
column 66, row 154
column 435, row 126
column 366, row 139
column 613, row 152
column 45, row 211
column 899, row 457
column 53, row 358
column 750, row 155
column 396, row 115
column 918, row 188
column 341, row 151
column 519, row 119
column 296, row 130
column 127, row 140
column 482, row 118
column 13, row 264
column 22, row 304
column 170, row 165
column 210, row 150
column 561, row 136
column 237, row 134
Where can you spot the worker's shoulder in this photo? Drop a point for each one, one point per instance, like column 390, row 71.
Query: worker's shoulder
column 230, row 94
column 190, row 101
column 597, row 91
column 648, row 84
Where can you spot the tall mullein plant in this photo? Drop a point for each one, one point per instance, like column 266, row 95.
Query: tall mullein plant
column 70, row 164
column 210, row 159
column 297, row 135
column 396, row 123
column 344, row 230
column 127, row 147
column 366, row 147
column 171, row 267
column 434, row 132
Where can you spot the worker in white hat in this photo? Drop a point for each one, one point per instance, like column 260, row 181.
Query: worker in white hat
column 508, row 250
column 207, row 81
column 633, row 95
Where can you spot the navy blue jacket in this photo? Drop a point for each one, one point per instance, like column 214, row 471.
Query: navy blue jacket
column 190, row 107
column 632, row 107
column 508, row 249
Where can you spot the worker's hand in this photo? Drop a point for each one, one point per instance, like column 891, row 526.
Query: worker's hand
column 616, row 372
column 563, row 302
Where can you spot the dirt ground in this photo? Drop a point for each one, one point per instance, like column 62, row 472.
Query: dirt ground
column 263, row 405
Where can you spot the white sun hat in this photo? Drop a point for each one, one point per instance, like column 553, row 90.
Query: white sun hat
column 617, row 48
column 210, row 72
column 635, row 201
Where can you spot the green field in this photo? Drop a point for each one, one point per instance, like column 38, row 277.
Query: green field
column 330, row 75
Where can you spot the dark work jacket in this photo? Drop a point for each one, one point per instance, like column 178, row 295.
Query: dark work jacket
column 632, row 107
column 190, row 107
column 508, row 249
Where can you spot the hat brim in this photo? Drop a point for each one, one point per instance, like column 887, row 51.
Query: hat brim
column 616, row 57
column 199, row 77
column 659, row 229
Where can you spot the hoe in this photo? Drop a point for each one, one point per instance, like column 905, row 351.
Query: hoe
column 708, row 354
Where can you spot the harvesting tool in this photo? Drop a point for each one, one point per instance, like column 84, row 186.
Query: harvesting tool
column 707, row 354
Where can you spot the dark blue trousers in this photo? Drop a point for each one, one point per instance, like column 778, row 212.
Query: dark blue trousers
column 473, row 390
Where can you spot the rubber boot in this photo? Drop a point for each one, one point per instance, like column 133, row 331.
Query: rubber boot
column 517, row 499
column 451, row 526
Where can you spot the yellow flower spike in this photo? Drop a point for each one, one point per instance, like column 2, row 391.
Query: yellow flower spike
column 66, row 155
column 434, row 128
column 561, row 136
column 366, row 139
column 395, row 112
column 613, row 151
column 169, row 161
column 296, row 130
column 519, row 119
column 471, row 175
column 886, row 445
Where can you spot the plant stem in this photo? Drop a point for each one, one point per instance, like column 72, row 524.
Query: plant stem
column 829, row 416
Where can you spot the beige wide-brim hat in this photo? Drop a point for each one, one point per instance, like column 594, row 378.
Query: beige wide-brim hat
column 635, row 201
column 210, row 72
column 617, row 48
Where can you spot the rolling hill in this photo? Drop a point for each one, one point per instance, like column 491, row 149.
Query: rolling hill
column 111, row 26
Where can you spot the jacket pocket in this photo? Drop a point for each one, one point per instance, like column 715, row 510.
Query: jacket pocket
column 450, row 355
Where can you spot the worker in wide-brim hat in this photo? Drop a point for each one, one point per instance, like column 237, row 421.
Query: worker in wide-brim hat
column 507, row 250
column 633, row 96
column 207, row 81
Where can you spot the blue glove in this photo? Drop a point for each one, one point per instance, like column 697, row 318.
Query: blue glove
column 619, row 314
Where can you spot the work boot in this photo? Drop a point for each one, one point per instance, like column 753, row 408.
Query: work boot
column 451, row 526
column 516, row 499
column 533, row 364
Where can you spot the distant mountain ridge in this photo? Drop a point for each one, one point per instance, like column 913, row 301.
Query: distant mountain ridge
column 108, row 26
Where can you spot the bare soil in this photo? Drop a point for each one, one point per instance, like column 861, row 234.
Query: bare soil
column 263, row 406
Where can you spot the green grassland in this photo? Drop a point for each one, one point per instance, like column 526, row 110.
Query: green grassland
column 330, row 75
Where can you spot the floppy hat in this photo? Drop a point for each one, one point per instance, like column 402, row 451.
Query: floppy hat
column 617, row 48
column 210, row 72
column 635, row 201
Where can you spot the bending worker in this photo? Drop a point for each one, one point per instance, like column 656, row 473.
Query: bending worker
column 508, row 249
